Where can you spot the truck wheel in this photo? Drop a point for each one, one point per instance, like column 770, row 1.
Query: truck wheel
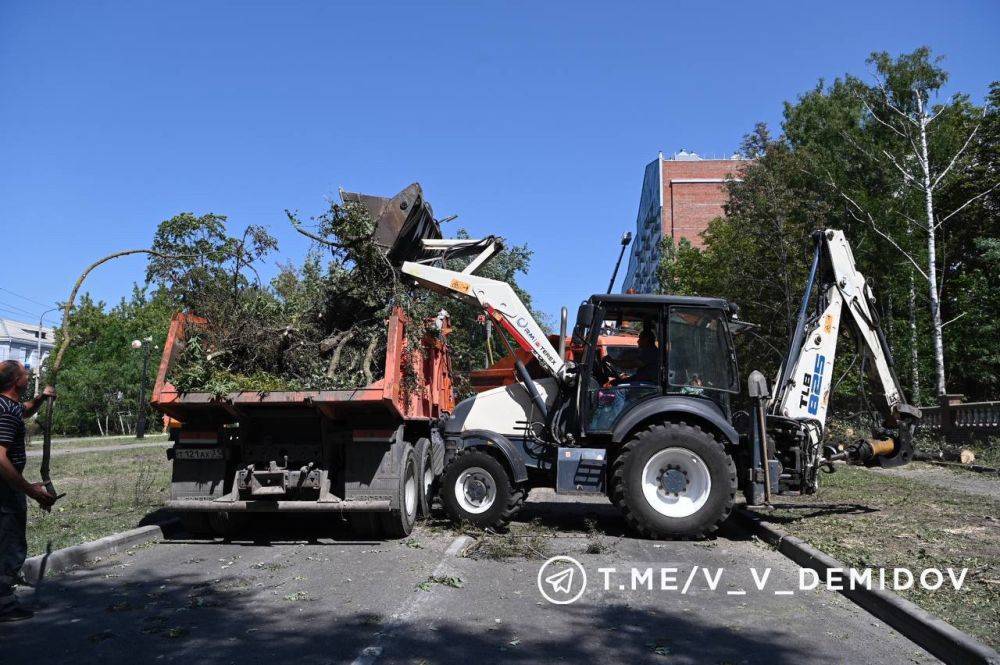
column 425, row 468
column 476, row 488
column 399, row 523
column 674, row 480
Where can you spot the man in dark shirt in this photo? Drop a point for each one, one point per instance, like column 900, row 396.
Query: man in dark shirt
column 13, row 487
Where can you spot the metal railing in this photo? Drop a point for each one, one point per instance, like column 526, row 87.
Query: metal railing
column 952, row 416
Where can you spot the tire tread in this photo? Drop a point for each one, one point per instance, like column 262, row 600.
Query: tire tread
column 617, row 490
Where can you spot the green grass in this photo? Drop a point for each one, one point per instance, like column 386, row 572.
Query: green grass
column 869, row 520
column 92, row 441
column 105, row 493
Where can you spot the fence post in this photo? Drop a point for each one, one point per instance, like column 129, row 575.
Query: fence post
column 947, row 402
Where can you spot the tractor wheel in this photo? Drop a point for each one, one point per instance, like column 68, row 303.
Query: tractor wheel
column 674, row 480
column 425, row 468
column 399, row 523
column 476, row 488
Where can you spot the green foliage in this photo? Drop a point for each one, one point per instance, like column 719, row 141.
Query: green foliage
column 100, row 377
column 318, row 325
column 830, row 163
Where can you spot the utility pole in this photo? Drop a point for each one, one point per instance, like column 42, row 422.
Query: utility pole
column 144, row 344
column 38, row 350
column 626, row 239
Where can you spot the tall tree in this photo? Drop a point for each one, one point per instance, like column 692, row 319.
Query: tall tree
column 930, row 151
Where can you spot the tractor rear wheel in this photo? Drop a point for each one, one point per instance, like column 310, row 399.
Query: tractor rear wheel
column 674, row 480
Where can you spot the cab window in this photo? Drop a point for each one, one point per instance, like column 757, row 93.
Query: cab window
column 700, row 355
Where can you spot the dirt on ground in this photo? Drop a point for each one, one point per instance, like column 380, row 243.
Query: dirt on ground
column 954, row 478
column 916, row 520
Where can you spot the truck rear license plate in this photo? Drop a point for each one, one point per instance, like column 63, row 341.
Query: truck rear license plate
column 198, row 453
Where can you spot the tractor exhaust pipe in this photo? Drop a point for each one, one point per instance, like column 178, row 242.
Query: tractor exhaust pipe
column 626, row 239
column 563, row 318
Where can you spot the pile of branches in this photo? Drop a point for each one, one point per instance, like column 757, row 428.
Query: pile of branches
column 321, row 325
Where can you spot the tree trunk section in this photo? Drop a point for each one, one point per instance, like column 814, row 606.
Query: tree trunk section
column 932, row 281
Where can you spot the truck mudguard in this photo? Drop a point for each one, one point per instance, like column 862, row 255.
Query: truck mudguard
column 481, row 438
column 698, row 409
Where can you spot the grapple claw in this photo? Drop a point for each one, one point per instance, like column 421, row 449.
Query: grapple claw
column 401, row 223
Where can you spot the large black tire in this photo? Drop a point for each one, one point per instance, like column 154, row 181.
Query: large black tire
column 627, row 487
column 425, row 472
column 485, row 470
column 399, row 523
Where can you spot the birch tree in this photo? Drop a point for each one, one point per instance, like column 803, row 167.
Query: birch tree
column 926, row 157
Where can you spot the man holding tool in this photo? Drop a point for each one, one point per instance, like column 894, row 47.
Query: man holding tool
column 13, row 487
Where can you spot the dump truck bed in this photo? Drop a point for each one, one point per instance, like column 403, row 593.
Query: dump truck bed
column 386, row 401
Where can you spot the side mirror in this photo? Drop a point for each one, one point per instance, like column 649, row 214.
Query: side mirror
column 584, row 316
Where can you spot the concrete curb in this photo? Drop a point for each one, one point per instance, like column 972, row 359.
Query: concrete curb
column 78, row 555
column 936, row 636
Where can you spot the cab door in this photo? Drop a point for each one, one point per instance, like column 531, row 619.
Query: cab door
column 623, row 365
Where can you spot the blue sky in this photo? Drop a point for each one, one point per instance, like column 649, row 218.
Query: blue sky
column 531, row 120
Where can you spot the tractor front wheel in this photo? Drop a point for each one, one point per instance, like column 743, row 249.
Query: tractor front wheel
column 476, row 488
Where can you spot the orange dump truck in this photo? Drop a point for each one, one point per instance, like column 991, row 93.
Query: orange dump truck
column 371, row 453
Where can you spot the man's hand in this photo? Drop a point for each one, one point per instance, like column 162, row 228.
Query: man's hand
column 41, row 495
column 49, row 391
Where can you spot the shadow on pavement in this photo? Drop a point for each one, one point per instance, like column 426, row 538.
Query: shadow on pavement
column 266, row 529
column 803, row 511
column 602, row 518
column 234, row 620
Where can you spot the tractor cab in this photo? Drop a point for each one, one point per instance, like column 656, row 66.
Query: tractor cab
column 635, row 348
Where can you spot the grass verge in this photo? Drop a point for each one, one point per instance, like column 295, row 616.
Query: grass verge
column 869, row 520
column 93, row 441
column 105, row 493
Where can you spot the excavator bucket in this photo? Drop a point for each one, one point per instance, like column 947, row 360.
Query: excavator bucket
column 402, row 222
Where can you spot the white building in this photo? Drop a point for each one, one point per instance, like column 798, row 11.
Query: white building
column 20, row 341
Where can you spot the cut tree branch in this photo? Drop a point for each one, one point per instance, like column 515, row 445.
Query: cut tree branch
column 68, row 305
column 312, row 236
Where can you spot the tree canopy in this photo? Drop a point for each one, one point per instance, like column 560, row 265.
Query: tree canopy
column 849, row 157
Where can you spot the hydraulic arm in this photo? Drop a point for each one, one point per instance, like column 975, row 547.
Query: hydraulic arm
column 496, row 298
column 797, row 408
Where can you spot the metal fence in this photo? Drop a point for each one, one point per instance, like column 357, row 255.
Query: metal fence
column 952, row 416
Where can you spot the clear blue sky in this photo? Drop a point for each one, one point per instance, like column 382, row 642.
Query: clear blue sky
column 532, row 120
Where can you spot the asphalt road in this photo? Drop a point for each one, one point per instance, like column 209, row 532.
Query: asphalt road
column 307, row 593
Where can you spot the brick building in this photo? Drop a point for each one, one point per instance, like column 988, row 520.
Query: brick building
column 680, row 196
